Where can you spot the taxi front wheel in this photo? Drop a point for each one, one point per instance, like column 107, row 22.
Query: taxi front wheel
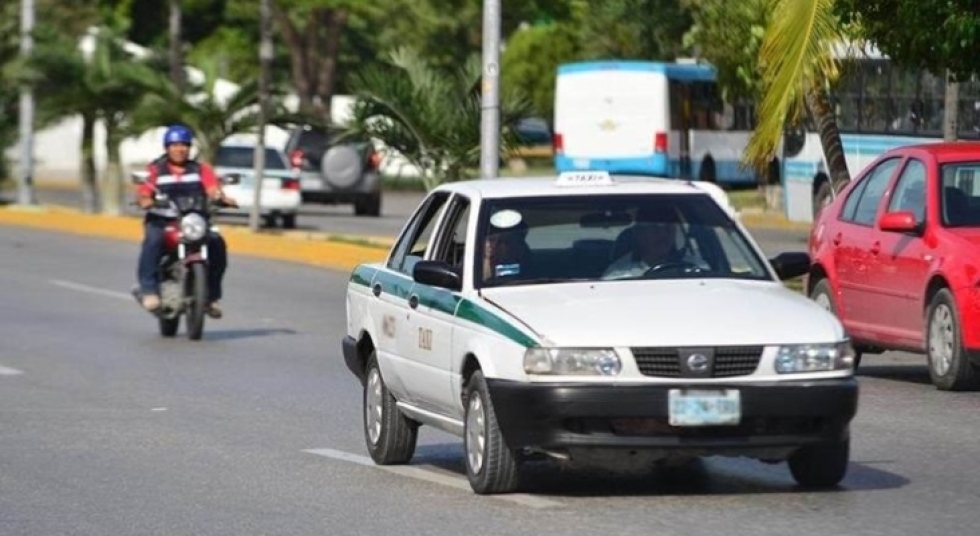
column 821, row 465
column 390, row 436
column 490, row 465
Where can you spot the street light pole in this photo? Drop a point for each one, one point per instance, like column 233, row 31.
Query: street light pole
column 265, row 61
column 25, row 192
column 490, row 99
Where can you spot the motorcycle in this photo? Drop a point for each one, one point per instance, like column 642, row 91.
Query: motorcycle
column 183, row 268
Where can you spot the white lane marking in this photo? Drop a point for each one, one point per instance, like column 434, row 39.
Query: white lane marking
column 419, row 473
column 92, row 290
column 7, row 371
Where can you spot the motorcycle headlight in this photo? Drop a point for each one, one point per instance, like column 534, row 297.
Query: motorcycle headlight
column 193, row 227
column 800, row 358
column 572, row 361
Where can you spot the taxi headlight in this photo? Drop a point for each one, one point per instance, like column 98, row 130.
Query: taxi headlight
column 193, row 227
column 814, row 357
column 572, row 361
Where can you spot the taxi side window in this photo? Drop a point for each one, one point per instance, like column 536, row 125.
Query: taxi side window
column 910, row 192
column 415, row 239
column 452, row 243
column 861, row 206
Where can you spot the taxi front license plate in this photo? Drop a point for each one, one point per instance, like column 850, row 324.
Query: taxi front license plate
column 699, row 407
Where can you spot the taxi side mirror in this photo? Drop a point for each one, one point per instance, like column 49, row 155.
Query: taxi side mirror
column 791, row 265
column 437, row 274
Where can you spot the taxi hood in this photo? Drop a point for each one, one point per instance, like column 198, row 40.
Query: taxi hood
column 702, row 312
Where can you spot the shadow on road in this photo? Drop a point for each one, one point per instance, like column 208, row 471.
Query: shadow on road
column 702, row 476
column 233, row 334
column 917, row 374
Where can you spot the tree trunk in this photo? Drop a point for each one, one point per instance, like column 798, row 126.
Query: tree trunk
column 314, row 54
column 90, row 186
column 176, row 45
column 334, row 23
column 950, row 123
column 830, row 140
column 112, row 186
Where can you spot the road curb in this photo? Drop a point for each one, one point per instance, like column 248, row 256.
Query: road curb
column 338, row 252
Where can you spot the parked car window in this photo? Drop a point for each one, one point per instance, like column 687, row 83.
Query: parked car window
column 862, row 204
column 414, row 241
column 910, row 191
column 452, row 245
column 960, row 194
column 242, row 157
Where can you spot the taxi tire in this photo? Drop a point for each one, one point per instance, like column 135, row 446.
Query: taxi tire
column 499, row 471
column 399, row 434
column 822, row 465
column 823, row 288
column 962, row 374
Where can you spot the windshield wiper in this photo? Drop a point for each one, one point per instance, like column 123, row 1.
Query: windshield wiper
column 542, row 281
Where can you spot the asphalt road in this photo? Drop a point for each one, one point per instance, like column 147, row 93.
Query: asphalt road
column 395, row 210
column 107, row 429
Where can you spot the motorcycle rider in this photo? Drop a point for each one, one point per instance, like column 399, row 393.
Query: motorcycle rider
column 175, row 174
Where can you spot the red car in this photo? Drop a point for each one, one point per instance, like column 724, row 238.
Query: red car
column 896, row 256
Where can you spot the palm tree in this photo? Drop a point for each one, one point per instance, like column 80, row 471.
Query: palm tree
column 211, row 113
column 798, row 64
column 430, row 117
column 102, row 82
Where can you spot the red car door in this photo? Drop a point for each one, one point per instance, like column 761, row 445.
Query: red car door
column 852, row 237
column 902, row 271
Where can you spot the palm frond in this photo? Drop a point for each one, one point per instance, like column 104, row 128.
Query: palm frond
column 796, row 55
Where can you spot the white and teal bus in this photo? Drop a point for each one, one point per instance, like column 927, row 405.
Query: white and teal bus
column 649, row 118
column 879, row 106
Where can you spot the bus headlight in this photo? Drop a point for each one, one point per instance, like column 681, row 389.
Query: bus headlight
column 800, row 358
column 193, row 227
column 572, row 361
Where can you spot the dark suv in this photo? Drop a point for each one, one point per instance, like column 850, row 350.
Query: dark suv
column 336, row 173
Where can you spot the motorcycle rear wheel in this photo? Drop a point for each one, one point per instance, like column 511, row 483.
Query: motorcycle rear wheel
column 197, row 289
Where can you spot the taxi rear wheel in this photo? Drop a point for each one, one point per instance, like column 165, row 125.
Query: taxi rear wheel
column 490, row 465
column 390, row 436
column 820, row 466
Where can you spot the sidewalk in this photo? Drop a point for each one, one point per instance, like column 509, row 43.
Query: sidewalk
column 317, row 249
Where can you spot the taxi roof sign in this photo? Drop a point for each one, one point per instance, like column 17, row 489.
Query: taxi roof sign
column 585, row 178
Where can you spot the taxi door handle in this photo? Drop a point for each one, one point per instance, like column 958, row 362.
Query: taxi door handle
column 875, row 248
column 376, row 289
column 413, row 301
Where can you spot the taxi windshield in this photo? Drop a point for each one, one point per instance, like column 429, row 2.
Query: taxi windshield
column 608, row 238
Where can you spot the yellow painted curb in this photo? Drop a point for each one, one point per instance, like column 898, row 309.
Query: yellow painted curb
column 771, row 221
column 302, row 247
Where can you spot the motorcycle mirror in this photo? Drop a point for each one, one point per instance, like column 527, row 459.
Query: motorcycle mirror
column 231, row 178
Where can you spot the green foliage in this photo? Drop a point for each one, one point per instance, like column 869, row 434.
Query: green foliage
column 531, row 59
column 430, row 116
column 795, row 58
column 631, row 29
column 932, row 35
column 729, row 35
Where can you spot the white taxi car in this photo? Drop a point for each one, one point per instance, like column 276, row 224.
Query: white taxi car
column 592, row 319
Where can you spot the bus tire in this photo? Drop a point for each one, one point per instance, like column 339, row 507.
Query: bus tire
column 707, row 171
column 822, row 194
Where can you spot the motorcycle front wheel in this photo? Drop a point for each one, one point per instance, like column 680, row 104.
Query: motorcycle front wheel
column 168, row 326
column 197, row 291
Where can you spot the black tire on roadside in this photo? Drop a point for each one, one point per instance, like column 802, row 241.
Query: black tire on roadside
column 491, row 466
column 390, row 436
column 956, row 373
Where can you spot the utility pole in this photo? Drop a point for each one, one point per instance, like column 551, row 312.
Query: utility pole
column 25, row 193
column 265, row 62
column 176, row 45
column 490, row 98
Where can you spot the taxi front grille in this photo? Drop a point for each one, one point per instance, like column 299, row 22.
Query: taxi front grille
column 728, row 361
